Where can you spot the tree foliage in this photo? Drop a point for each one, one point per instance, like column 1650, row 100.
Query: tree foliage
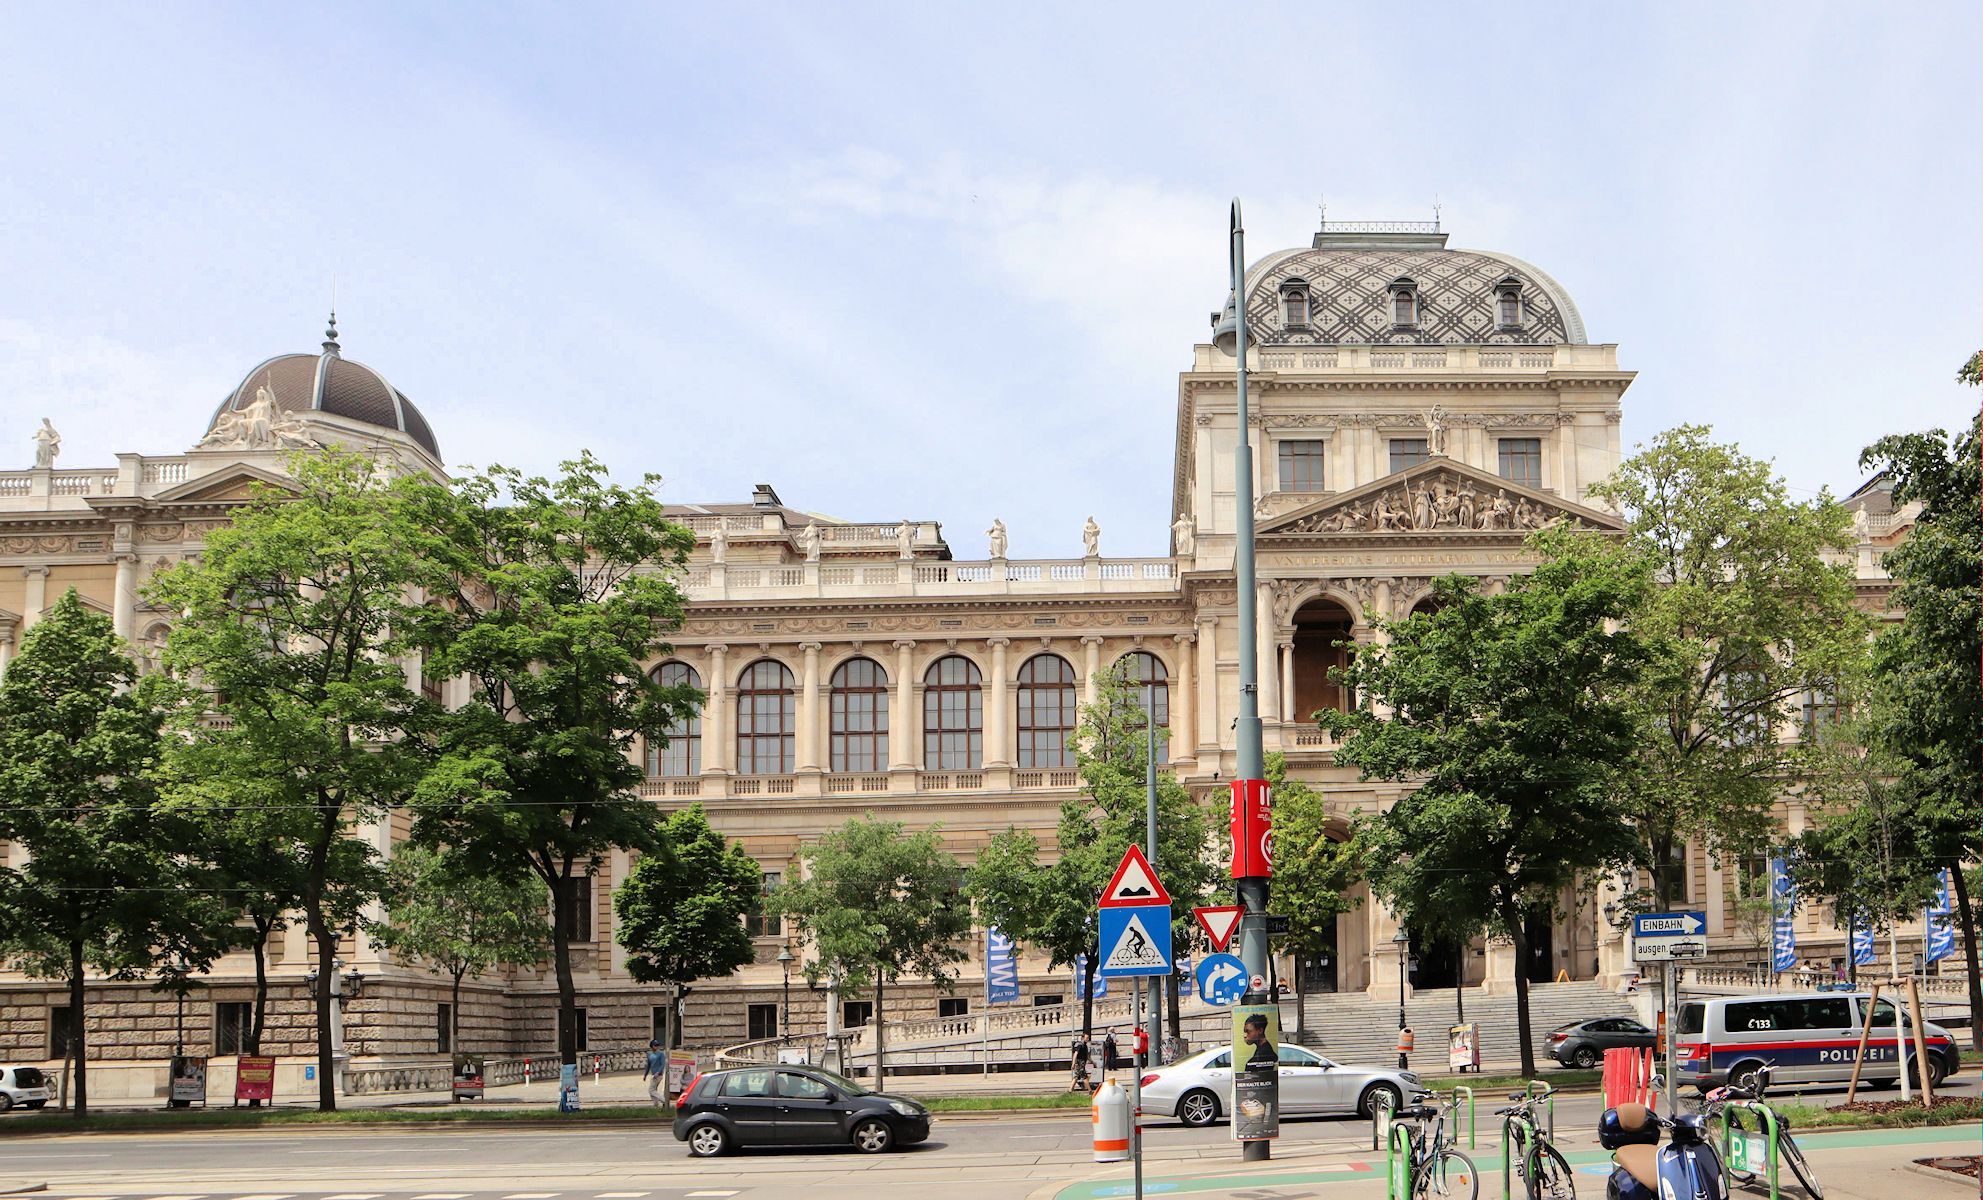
column 1511, row 714
column 464, row 921
column 105, row 886
column 550, row 596
column 1750, row 614
column 877, row 903
column 1314, row 867
column 681, row 909
column 293, row 621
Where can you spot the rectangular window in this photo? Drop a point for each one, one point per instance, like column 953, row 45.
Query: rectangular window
column 763, row 1021
column 58, row 1031
column 578, row 918
column 1521, row 461
column 1745, row 704
column 1407, row 453
column 444, row 1028
column 1301, row 466
column 1046, row 999
column 659, row 1016
column 856, row 1013
column 763, row 922
column 1822, row 710
column 953, row 1006
column 578, row 1025
column 233, row 1021
column 1677, row 875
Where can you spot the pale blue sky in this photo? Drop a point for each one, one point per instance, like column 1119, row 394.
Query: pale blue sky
column 923, row 260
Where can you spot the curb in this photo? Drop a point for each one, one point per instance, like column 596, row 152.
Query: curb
column 21, row 1189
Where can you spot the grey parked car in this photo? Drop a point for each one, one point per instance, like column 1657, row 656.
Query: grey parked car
column 1583, row 1043
column 1198, row 1090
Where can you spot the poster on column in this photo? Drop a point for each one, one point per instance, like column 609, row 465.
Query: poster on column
column 1252, row 828
column 1256, row 1072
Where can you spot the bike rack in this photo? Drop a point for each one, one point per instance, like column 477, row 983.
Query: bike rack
column 1766, row 1120
column 1472, row 1142
column 1549, row 1101
column 1507, row 1160
column 1380, row 1120
column 1398, row 1163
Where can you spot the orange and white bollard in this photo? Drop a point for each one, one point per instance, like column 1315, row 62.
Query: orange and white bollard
column 1110, row 1110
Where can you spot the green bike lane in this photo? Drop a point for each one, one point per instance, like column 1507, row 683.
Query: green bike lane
column 1849, row 1163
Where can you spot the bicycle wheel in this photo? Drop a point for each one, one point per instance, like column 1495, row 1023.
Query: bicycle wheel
column 1450, row 1177
column 1548, row 1173
column 1806, row 1178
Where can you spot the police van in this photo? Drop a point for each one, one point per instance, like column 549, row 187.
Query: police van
column 1812, row 1037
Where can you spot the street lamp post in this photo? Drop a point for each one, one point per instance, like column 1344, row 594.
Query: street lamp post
column 1249, row 788
column 785, row 1005
column 1403, row 941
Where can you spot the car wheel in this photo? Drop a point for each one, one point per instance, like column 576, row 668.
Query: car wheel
column 873, row 1136
column 1198, row 1108
column 1586, row 1057
column 1936, row 1072
column 708, row 1140
column 6, row 1102
column 1743, row 1074
column 1366, row 1104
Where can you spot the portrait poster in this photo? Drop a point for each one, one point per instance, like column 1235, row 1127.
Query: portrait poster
column 1256, row 1072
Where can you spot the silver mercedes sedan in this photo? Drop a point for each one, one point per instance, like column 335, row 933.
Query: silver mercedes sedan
column 1198, row 1090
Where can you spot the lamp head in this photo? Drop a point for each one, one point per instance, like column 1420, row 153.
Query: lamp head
column 785, row 956
column 1225, row 330
column 1402, row 938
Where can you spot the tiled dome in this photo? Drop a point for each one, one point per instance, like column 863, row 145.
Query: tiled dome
column 331, row 383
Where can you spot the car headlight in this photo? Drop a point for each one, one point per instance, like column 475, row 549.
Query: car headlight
column 907, row 1110
column 1409, row 1076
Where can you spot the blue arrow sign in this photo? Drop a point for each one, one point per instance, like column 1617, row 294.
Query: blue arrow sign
column 1135, row 941
column 1221, row 980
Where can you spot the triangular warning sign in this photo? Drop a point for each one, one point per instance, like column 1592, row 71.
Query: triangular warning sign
column 1134, row 883
column 1218, row 922
column 1135, row 949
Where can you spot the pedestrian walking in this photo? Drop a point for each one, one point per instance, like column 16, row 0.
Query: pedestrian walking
column 1108, row 1052
column 656, row 1073
column 1080, row 1062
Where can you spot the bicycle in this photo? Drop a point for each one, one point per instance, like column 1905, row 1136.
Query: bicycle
column 1543, row 1169
column 1438, row 1168
column 1714, row 1105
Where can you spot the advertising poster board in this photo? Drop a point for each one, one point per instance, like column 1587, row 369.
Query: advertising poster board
column 681, row 1071
column 468, row 1077
column 1252, row 828
column 254, row 1077
column 189, row 1081
column 568, row 1088
column 1256, row 1067
column 1463, row 1047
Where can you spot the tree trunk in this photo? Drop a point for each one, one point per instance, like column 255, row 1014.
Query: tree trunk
column 78, row 1046
column 1088, row 994
column 1177, row 1008
column 326, row 939
column 1518, row 932
column 454, row 1016
column 880, row 1034
column 1966, row 916
column 255, row 1023
column 561, row 931
column 1662, row 853
column 1300, row 992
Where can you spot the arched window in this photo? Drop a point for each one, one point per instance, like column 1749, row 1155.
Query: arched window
column 1404, row 303
column 682, row 752
column 953, row 715
column 1046, row 711
column 765, row 722
column 1508, row 306
column 860, row 716
column 1153, row 692
column 1294, row 304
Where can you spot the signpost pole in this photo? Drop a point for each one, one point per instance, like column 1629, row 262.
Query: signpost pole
column 1668, row 996
column 987, row 1016
column 1150, row 852
column 1136, row 1102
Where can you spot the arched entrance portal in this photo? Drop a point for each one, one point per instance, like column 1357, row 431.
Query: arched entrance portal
column 1318, row 626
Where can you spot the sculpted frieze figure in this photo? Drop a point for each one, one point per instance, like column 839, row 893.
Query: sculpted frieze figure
column 1435, row 430
column 1464, row 508
column 1429, row 503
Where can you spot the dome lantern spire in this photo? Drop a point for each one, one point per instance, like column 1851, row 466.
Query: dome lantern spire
column 330, row 335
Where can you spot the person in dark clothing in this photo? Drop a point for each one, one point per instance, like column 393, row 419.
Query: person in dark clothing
column 1265, row 1057
column 1108, row 1051
column 1080, row 1061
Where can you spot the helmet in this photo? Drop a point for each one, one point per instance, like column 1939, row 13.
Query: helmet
column 1627, row 1125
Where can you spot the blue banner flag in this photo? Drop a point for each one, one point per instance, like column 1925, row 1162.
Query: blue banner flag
column 1001, row 969
column 1862, row 946
column 1941, row 922
column 1783, row 910
column 1081, row 978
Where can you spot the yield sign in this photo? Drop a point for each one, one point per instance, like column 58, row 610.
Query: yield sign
column 1134, row 883
column 1218, row 922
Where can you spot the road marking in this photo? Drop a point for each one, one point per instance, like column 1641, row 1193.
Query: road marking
column 442, row 1196
column 268, row 1196
column 355, row 1196
column 515, row 1196
column 713, row 1195
column 619, row 1196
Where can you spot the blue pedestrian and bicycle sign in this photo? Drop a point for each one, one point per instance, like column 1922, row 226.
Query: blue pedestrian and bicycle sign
column 1221, row 980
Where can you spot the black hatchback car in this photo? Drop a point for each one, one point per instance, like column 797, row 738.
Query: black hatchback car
column 1583, row 1043
column 792, row 1106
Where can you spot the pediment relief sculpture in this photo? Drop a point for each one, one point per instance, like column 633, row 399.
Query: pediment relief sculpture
column 1433, row 501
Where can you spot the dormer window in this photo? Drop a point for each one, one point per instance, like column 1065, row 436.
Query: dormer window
column 1404, row 303
column 1294, row 303
column 1508, row 304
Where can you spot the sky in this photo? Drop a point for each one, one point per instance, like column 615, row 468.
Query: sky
column 943, row 261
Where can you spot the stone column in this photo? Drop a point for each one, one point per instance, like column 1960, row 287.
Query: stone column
column 1208, row 682
column 1184, row 698
column 1264, row 630
column 1091, row 659
column 905, row 725
column 997, row 704
column 719, row 747
column 1566, row 455
column 124, row 605
column 37, row 596
column 6, row 645
column 1501, row 965
column 1288, row 713
column 808, row 741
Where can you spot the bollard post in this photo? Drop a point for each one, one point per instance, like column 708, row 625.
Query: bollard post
column 526, row 1069
column 1110, row 1113
column 595, row 1068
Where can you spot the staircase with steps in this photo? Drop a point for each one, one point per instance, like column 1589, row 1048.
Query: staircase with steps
column 1354, row 1028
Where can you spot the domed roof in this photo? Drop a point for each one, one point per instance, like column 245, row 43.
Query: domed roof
column 1350, row 277
column 330, row 383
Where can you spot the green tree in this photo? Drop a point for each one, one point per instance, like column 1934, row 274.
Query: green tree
column 104, row 886
column 1510, row 714
column 1928, row 698
column 551, row 598
column 1313, row 869
column 463, row 921
column 681, row 909
column 1749, row 615
column 293, row 621
column 878, row 903
column 1867, row 849
column 1051, row 905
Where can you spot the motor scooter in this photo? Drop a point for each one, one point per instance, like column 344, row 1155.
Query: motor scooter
column 1688, row 1168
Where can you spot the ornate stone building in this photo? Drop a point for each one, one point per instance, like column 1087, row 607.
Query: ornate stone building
column 1418, row 410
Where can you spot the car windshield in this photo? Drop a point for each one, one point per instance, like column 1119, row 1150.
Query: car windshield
column 1566, row 1025
column 841, row 1083
column 1691, row 1018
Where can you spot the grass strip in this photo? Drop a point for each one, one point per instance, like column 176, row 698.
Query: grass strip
column 46, row 1123
column 1945, row 1112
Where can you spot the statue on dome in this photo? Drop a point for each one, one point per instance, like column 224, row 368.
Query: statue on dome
column 996, row 536
column 47, row 444
column 255, row 424
column 1184, row 535
column 1091, row 539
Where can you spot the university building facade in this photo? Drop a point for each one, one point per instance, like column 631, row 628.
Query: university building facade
column 1417, row 410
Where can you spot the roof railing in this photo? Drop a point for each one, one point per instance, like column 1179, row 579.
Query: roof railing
column 1380, row 227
